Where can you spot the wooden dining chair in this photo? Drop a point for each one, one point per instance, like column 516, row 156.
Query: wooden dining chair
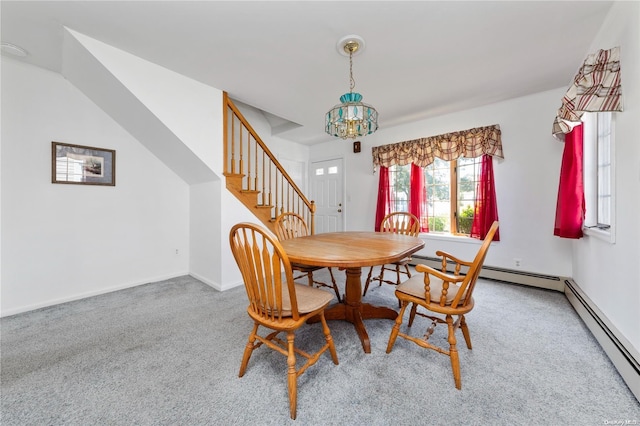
column 291, row 225
column 442, row 294
column 276, row 302
column 399, row 223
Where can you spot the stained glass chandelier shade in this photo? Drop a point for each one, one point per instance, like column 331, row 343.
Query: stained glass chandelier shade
column 351, row 118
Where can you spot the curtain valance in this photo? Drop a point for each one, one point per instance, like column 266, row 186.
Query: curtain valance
column 596, row 87
column 470, row 143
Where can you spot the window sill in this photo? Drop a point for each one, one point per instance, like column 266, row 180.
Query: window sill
column 606, row 235
column 449, row 237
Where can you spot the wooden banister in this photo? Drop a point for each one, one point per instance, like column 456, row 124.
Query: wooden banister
column 254, row 174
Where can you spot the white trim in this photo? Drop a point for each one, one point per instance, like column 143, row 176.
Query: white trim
column 449, row 237
column 590, row 180
column 619, row 350
column 606, row 235
column 78, row 296
column 216, row 285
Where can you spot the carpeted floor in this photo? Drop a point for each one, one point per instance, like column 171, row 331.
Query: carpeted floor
column 169, row 352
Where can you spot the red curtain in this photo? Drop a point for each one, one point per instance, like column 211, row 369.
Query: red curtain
column 570, row 207
column 384, row 197
column 418, row 197
column 486, row 206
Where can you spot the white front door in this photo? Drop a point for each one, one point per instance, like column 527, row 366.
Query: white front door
column 327, row 186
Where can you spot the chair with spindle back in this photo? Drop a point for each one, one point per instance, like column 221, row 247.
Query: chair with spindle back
column 291, row 225
column 399, row 223
column 442, row 294
column 276, row 302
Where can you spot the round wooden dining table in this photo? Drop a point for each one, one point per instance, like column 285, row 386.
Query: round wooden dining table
column 351, row 251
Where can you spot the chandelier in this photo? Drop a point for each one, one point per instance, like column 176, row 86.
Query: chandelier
column 351, row 118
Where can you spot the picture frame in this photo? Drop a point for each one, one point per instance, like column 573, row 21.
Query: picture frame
column 82, row 165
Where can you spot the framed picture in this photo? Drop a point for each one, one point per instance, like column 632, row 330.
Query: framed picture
column 82, row 165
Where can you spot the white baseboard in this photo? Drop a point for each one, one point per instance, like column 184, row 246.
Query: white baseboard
column 216, row 285
column 619, row 350
column 78, row 296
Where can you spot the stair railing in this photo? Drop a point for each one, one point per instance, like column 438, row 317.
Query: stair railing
column 248, row 158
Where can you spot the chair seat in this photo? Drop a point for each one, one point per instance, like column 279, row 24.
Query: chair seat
column 309, row 299
column 414, row 286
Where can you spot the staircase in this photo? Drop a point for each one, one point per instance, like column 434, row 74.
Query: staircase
column 255, row 176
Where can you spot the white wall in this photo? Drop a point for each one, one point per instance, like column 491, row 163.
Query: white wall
column 180, row 121
column 61, row 242
column 609, row 274
column 526, row 181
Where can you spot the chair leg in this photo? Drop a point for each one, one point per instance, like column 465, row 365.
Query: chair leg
column 327, row 336
column 412, row 315
column 248, row 350
column 406, row 267
column 335, row 286
column 366, row 284
column 453, row 353
column 292, row 375
column 396, row 328
column 398, row 281
column 381, row 277
column 465, row 331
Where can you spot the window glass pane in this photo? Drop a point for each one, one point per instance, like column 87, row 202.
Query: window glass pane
column 333, row 170
column 319, row 172
column 399, row 180
column 604, row 168
column 436, row 180
column 468, row 174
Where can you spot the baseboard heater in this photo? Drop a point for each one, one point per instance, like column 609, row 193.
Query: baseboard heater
column 617, row 348
column 532, row 279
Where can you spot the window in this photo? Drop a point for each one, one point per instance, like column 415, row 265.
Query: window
column 599, row 174
column 399, row 180
column 444, row 181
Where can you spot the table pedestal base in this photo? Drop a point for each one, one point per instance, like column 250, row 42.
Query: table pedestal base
column 355, row 315
column 354, row 311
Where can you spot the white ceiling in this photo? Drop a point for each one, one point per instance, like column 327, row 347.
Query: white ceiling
column 422, row 58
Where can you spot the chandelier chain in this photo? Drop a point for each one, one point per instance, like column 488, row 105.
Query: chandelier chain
column 352, row 82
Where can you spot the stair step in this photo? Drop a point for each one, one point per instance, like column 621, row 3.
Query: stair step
column 250, row 191
column 227, row 174
column 264, row 206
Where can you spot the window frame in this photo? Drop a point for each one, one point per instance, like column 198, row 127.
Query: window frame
column 591, row 162
column 453, row 197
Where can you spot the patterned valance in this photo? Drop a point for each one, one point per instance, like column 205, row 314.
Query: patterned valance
column 596, row 87
column 470, row 143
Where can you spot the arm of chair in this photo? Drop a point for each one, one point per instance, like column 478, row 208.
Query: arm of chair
column 439, row 274
column 446, row 280
column 459, row 262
